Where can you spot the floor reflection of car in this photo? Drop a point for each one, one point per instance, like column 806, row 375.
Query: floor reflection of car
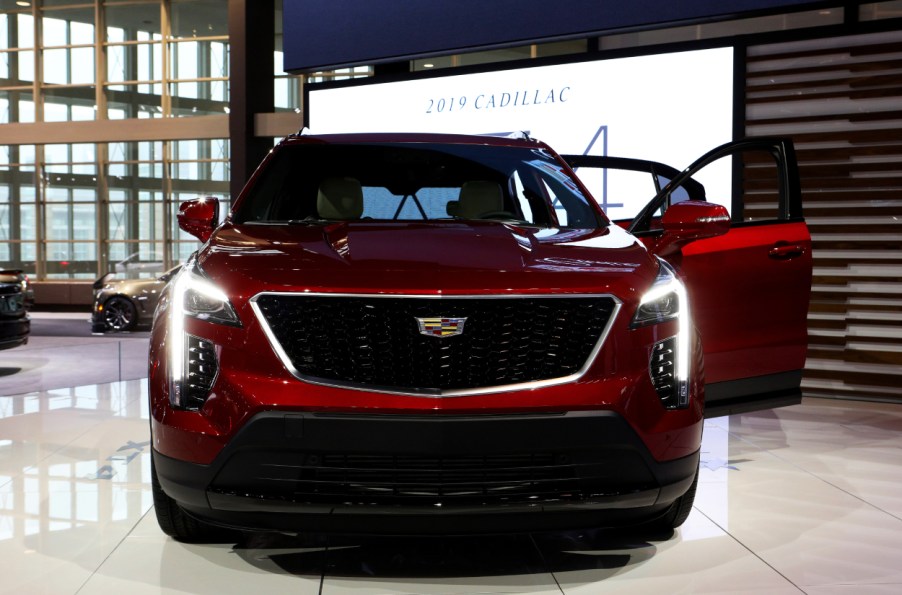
column 126, row 304
column 16, row 296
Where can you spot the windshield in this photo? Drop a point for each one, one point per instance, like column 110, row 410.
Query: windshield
column 415, row 182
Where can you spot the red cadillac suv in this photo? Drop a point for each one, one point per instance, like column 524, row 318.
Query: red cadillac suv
column 430, row 333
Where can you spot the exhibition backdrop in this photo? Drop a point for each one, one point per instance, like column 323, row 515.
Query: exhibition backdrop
column 670, row 108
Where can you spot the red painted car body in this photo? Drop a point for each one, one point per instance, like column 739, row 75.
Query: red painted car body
column 284, row 394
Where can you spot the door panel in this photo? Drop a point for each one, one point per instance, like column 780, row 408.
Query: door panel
column 750, row 304
column 749, row 289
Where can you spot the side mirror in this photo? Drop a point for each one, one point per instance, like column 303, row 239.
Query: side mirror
column 691, row 220
column 199, row 217
column 165, row 277
column 99, row 283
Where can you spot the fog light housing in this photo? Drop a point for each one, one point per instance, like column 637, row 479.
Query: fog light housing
column 193, row 362
column 201, row 367
column 673, row 393
column 668, row 364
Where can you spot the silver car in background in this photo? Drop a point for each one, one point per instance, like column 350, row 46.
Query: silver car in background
column 126, row 304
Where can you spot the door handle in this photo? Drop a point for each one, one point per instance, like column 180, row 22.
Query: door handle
column 782, row 251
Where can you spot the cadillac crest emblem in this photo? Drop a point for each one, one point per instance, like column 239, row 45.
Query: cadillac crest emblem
column 441, row 327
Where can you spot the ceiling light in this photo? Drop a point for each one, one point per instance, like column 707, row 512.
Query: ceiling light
column 22, row 3
column 429, row 65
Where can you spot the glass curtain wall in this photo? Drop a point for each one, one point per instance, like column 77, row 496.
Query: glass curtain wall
column 78, row 210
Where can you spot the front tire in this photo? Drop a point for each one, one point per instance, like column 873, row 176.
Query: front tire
column 177, row 523
column 679, row 511
column 120, row 314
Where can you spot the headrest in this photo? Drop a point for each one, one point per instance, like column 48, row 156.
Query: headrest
column 340, row 198
column 478, row 198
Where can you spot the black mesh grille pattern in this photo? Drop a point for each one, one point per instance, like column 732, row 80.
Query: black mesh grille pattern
column 425, row 480
column 376, row 341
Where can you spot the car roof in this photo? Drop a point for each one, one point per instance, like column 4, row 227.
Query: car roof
column 416, row 137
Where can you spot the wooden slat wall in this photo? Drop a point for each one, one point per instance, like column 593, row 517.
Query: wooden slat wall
column 840, row 99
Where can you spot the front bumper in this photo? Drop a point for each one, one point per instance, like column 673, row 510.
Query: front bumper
column 358, row 473
column 98, row 324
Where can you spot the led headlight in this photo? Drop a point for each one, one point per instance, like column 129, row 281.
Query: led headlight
column 669, row 362
column 663, row 300
column 192, row 360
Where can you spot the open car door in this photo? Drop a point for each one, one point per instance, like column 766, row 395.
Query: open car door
column 749, row 288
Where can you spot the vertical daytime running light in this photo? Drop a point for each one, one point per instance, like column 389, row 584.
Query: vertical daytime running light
column 683, row 343
column 658, row 305
column 197, row 297
column 684, row 329
column 177, row 336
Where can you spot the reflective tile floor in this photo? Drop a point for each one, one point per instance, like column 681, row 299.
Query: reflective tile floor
column 61, row 352
column 804, row 499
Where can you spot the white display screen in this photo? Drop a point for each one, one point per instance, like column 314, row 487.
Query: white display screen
column 670, row 108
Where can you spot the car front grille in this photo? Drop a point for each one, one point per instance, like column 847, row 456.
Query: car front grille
column 377, row 342
column 424, row 480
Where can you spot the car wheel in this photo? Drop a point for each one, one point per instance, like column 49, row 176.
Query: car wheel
column 177, row 523
column 119, row 314
column 679, row 511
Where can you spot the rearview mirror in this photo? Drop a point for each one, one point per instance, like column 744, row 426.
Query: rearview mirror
column 691, row 220
column 199, row 217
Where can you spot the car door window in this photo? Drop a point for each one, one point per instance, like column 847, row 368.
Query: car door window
column 764, row 171
column 621, row 193
column 522, row 197
column 760, row 198
column 679, row 194
column 623, row 186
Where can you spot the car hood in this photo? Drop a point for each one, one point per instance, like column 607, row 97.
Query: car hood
column 425, row 258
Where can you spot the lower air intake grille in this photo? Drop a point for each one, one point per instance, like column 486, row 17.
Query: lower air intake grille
column 377, row 341
column 422, row 480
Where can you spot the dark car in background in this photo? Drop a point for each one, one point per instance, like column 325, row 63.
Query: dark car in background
column 16, row 297
column 126, row 304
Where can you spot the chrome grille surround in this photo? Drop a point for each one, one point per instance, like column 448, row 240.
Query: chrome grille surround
column 286, row 360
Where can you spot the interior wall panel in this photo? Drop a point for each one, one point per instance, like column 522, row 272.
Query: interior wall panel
column 839, row 99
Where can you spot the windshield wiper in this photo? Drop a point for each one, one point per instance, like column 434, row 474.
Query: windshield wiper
column 305, row 221
column 309, row 220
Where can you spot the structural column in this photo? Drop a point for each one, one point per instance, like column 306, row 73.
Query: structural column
column 252, row 45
